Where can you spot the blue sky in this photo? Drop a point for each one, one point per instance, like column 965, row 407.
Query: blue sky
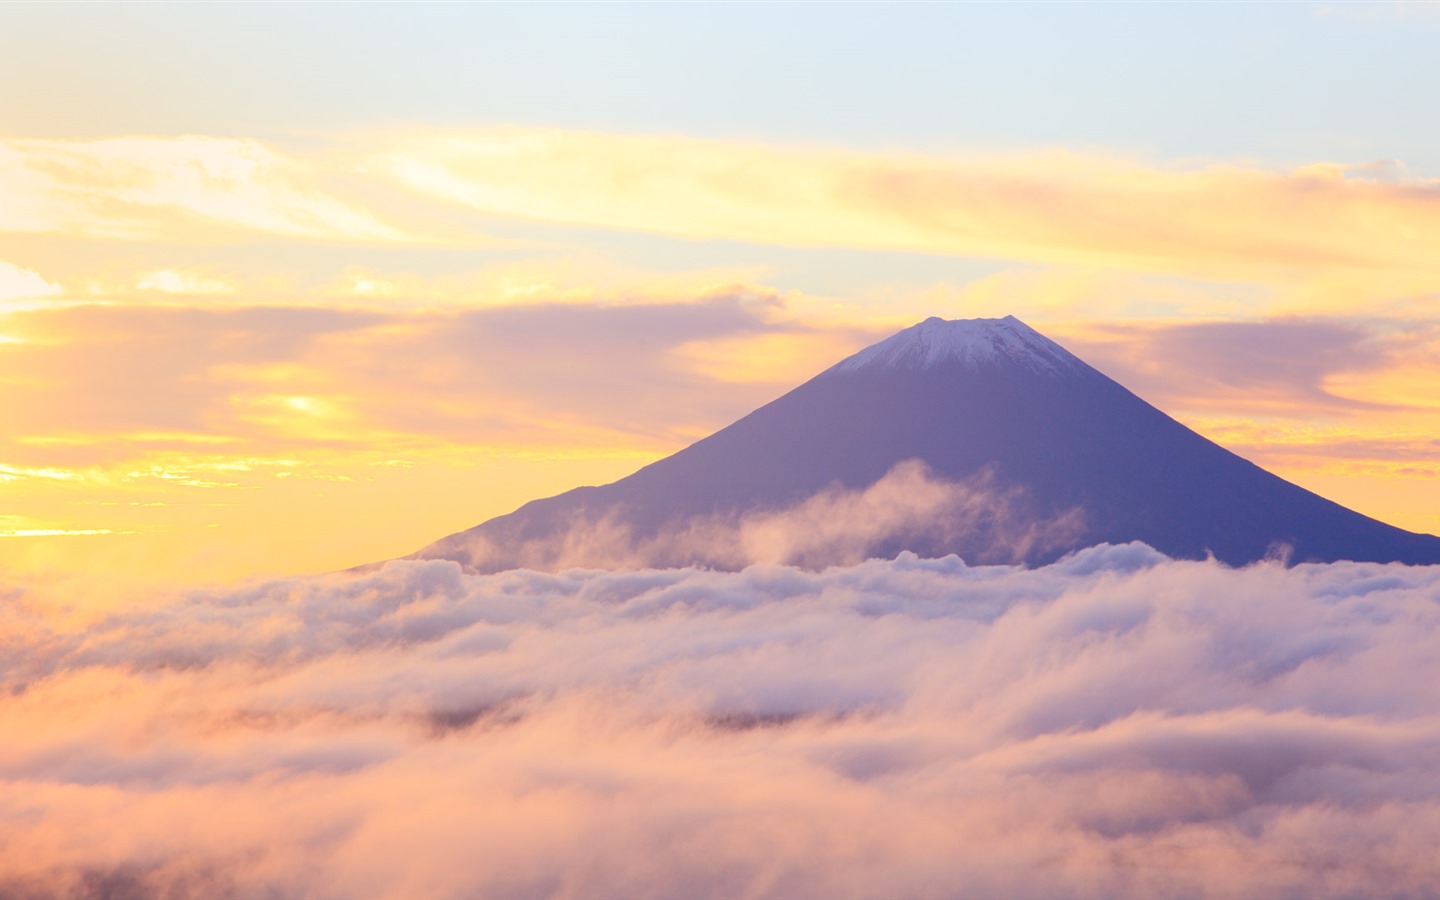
column 1275, row 82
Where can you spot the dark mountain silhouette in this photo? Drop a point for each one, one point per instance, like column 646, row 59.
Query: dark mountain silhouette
column 1040, row 453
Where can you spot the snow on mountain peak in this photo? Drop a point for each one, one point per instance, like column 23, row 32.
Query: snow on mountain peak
column 974, row 343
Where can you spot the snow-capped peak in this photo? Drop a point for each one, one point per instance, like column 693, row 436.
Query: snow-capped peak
column 974, row 343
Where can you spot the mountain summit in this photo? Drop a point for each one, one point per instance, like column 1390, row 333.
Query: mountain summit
column 980, row 437
column 972, row 344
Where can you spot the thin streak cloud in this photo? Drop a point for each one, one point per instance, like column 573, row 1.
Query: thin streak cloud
column 1213, row 221
column 1210, row 221
column 190, row 189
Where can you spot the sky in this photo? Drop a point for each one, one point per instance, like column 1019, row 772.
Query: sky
column 287, row 288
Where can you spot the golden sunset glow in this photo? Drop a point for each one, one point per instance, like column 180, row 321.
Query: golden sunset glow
column 198, row 417
column 224, row 354
column 1211, row 221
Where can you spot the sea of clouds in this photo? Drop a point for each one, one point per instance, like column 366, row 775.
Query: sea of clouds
column 1116, row 724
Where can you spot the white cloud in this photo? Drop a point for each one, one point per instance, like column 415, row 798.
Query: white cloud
column 1117, row 724
column 17, row 284
column 186, row 188
column 183, row 281
column 909, row 504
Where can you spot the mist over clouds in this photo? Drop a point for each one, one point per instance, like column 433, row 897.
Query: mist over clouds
column 1115, row 724
column 834, row 526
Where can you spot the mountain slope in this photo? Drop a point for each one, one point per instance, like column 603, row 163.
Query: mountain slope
column 1034, row 453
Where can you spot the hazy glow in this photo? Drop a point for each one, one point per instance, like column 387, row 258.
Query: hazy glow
column 1222, row 221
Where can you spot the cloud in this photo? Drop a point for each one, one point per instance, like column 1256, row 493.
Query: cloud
column 178, row 281
column 102, row 368
column 1369, row 225
column 1116, row 724
column 621, row 368
column 18, row 285
column 908, row 506
column 1280, row 366
column 1296, row 395
column 538, row 374
column 189, row 189
column 1211, row 221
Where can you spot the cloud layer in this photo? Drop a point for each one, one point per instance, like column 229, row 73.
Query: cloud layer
column 1117, row 724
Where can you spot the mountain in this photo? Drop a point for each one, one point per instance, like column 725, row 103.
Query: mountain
column 979, row 437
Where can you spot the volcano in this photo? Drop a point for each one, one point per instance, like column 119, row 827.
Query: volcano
column 978, row 437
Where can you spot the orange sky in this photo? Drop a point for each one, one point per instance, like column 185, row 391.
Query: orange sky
column 223, row 357
column 228, row 348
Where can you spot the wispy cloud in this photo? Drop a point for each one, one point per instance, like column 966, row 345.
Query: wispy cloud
column 1368, row 226
column 184, row 189
column 1222, row 221
column 908, row 506
column 357, row 376
column 180, row 281
column 1280, row 366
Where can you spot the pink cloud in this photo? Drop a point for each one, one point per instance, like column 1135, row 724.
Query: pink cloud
column 1116, row 724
